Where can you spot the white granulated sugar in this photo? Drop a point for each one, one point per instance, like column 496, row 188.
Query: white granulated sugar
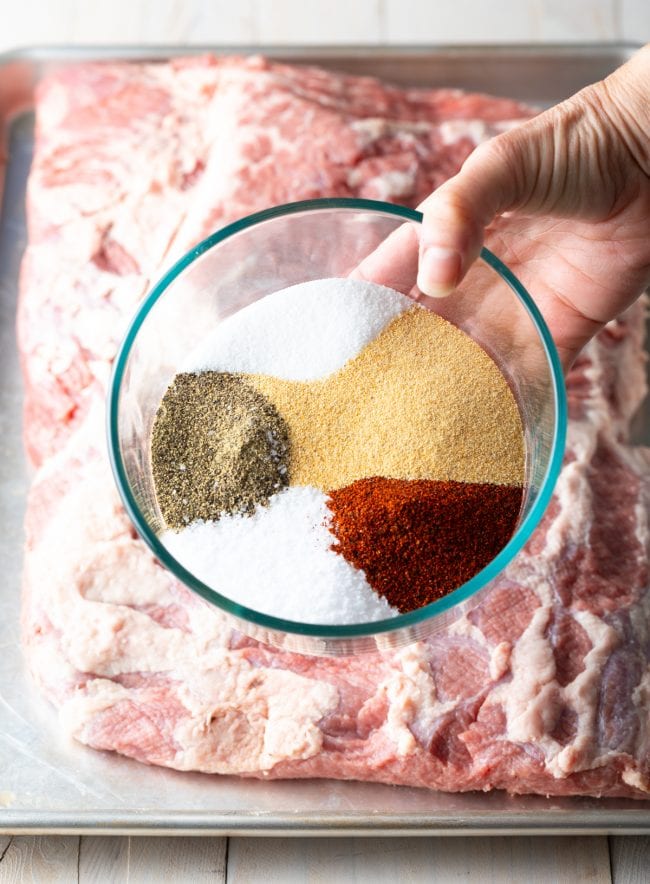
column 278, row 561
column 301, row 333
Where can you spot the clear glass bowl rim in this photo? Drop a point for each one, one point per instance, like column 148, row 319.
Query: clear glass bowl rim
column 347, row 631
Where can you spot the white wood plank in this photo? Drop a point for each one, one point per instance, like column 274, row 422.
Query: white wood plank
column 464, row 21
column 319, row 21
column 103, row 860
column 159, row 860
column 43, row 859
column 190, row 21
column 33, row 21
column 163, row 21
column 630, row 859
column 40, row 22
column 222, row 22
column 5, row 841
column 557, row 20
column 500, row 21
column 635, row 20
column 414, row 860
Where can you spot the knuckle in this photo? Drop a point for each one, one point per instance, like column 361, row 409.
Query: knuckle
column 501, row 150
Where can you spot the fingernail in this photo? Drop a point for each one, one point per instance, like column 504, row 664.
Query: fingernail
column 438, row 271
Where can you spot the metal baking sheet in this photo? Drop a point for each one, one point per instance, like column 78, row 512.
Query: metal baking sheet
column 51, row 784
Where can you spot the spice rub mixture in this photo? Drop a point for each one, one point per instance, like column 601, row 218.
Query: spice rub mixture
column 218, row 447
column 368, row 460
column 421, row 401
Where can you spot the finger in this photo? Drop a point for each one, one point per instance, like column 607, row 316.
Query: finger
column 493, row 179
column 394, row 263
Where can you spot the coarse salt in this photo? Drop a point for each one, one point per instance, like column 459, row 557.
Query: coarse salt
column 302, row 333
column 279, row 561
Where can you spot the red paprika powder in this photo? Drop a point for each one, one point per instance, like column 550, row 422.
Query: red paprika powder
column 418, row 540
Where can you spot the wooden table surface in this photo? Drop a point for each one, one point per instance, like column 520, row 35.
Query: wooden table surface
column 598, row 860
column 90, row 859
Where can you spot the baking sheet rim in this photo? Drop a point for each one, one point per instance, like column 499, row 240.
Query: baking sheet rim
column 270, row 824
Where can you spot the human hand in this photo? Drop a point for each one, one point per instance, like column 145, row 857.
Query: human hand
column 574, row 184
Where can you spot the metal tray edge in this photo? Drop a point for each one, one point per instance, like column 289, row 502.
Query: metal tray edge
column 59, row 52
column 287, row 825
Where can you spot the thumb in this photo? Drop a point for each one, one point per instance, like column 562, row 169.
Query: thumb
column 492, row 180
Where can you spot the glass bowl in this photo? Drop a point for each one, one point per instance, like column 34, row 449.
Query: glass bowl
column 309, row 240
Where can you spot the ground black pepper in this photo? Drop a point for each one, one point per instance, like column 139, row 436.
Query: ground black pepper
column 218, row 446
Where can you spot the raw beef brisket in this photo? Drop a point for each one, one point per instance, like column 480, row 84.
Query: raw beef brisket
column 544, row 687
